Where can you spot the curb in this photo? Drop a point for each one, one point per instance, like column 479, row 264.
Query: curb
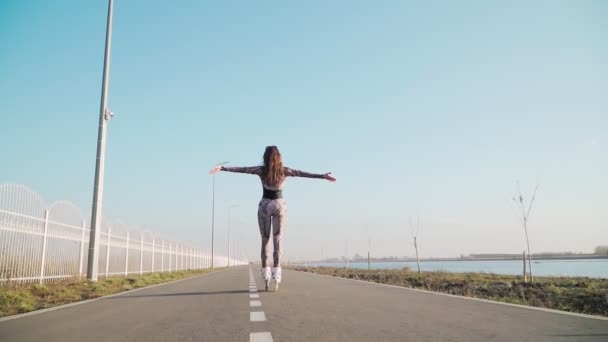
column 559, row 312
column 86, row 301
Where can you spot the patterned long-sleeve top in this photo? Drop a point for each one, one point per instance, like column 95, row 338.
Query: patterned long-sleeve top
column 288, row 172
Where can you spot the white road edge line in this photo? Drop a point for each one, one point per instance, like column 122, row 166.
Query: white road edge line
column 466, row 298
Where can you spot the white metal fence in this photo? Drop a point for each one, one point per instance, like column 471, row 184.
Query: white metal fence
column 40, row 242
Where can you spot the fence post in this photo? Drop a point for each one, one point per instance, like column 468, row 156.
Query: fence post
column 81, row 251
column 108, row 250
column 141, row 254
column 127, row 256
column 46, row 227
column 162, row 255
column 152, row 255
column 182, row 258
column 169, row 256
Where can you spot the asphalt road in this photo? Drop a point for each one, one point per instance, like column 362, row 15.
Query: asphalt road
column 221, row 306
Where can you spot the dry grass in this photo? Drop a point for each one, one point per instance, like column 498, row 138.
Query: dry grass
column 580, row 294
column 16, row 299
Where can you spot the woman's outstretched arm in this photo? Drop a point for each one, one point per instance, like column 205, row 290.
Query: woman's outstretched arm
column 289, row 172
column 254, row 170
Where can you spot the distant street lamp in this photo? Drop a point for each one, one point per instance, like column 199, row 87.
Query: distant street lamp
column 229, row 211
column 213, row 216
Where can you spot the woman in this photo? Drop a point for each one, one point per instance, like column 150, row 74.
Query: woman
column 272, row 208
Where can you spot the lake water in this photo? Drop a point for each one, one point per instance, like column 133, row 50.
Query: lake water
column 595, row 268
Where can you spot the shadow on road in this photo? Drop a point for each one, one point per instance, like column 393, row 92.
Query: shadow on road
column 179, row 294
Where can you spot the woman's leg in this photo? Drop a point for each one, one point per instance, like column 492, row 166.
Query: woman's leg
column 264, row 220
column 279, row 219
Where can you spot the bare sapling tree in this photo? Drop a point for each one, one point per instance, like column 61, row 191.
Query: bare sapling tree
column 369, row 249
column 415, row 229
column 526, row 209
column 525, row 273
column 346, row 256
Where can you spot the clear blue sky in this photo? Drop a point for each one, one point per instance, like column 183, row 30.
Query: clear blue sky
column 432, row 109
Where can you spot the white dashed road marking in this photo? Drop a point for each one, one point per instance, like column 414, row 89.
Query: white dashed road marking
column 260, row 337
column 257, row 316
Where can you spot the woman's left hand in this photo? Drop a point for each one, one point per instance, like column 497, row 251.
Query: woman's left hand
column 215, row 170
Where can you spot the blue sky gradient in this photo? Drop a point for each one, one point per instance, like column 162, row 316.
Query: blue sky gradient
column 433, row 109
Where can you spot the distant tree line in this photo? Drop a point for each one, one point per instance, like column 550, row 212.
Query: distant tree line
column 601, row 250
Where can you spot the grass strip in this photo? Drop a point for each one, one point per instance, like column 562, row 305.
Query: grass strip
column 21, row 298
column 573, row 294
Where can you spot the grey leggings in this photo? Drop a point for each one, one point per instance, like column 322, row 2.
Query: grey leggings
column 272, row 212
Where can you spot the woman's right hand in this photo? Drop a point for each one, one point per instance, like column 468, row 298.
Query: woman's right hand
column 216, row 169
column 329, row 177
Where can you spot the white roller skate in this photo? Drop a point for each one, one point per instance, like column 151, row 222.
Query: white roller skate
column 266, row 277
column 276, row 276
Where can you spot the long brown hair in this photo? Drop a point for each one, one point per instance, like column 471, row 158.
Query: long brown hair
column 272, row 173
